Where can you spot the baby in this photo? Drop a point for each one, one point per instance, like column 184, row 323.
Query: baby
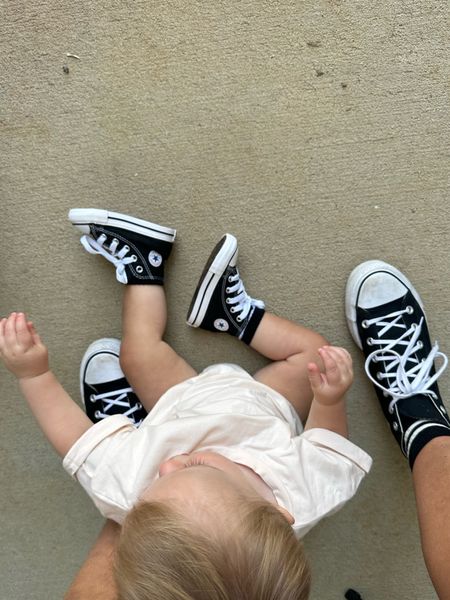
column 227, row 471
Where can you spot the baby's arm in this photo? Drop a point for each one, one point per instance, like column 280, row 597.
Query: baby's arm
column 24, row 354
column 328, row 406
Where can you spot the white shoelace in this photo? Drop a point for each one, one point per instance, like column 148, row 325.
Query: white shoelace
column 242, row 302
column 119, row 259
column 402, row 382
column 116, row 398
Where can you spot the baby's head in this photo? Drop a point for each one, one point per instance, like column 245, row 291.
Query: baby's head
column 206, row 530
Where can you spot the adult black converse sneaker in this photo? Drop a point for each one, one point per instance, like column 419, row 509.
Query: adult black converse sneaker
column 135, row 247
column 220, row 302
column 104, row 388
column 386, row 318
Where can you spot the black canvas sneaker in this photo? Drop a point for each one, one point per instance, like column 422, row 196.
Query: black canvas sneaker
column 104, row 388
column 135, row 247
column 220, row 302
column 386, row 318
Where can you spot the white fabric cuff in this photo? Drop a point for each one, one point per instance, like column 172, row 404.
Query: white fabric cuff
column 79, row 452
column 340, row 445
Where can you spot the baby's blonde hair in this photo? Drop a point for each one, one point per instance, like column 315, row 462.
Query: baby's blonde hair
column 162, row 556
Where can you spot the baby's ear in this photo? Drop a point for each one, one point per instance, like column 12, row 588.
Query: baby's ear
column 286, row 514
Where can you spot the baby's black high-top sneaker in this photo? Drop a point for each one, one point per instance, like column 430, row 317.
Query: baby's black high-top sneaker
column 135, row 247
column 104, row 389
column 220, row 302
column 386, row 319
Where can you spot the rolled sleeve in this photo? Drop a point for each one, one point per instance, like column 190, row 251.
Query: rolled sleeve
column 88, row 462
column 331, row 471
column 340, row 445
column 96, row 434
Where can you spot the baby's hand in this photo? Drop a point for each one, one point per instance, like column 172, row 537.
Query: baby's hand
column 21, row 348
column 329, row 387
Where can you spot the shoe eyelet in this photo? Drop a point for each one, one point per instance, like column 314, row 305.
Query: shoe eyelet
column 92, row 398
column 379, row 376
column 409, row 310
column 414, row 326
column 391, row 410
column 227, row 300
column 139, row 405
column 114, row 241
column 97, row 414
column 395, row 426
column 370, row 341
column 134, row 257
column 229, row 279
column 139, row 269
column 419, row 344
column 227, row 290
column 232, row 309
column 238, row 319
column 126, row 247
column 365, row 324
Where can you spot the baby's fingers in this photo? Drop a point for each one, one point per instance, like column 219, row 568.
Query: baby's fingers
column 10, row 330
column 34, row 334
column 342, row 358
column 2, row 334
column 23, row 334
column 315, row 376
column 331, row 367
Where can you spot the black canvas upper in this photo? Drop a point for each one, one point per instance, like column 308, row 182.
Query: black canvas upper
column 220, row 315
column 150, row 253
column 407, row 416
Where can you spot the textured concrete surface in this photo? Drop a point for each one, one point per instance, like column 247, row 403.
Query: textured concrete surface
column 317, row 132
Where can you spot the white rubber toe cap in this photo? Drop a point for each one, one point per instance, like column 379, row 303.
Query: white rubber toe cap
column 103, row 358
column 371, row 284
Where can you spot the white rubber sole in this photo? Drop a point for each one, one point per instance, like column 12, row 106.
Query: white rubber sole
column 209, row 280
column 111, row 345
column 356, row 279
column 81, row 218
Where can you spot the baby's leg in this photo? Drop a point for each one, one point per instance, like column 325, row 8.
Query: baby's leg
column 221, row 304
column 291, row 347
column 138, row 249
column 149, row 363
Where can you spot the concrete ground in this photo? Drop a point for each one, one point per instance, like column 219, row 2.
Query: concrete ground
column 316, row 131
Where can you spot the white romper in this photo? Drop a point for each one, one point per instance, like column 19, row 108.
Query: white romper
column 224, row 410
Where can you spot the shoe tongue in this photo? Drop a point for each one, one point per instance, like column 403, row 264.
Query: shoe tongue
column 109, row 387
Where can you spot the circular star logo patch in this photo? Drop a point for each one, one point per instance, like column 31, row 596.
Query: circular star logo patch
column 221, row 325
column 155, row 259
